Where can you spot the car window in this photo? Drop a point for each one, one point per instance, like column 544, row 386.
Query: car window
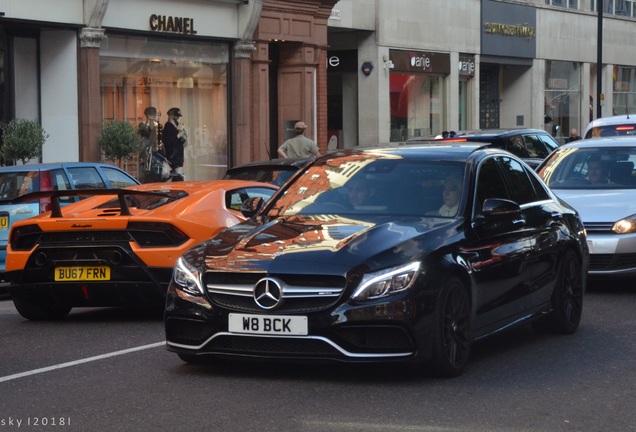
column 612, row 130
column 535, row 147
column 490, row 183
column 117, row 178
column 86, row 178
column 61, row 182
column 145, row 201
column 549, row 143
column 517, row 146
column 524, row 191
column 234, row 198
column 15, row 184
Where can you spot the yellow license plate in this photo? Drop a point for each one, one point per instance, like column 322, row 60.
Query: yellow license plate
column 88, row 273
column 4, row 222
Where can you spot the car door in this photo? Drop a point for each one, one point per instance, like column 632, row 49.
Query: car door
column 543, row 221
column 501, row 252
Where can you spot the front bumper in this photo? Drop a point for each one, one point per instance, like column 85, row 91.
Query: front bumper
column 612, row 254
column 388, row 330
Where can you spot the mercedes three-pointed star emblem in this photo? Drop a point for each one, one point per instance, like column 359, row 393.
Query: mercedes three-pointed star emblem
column 268, row 293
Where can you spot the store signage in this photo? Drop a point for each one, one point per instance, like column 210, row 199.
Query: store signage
column 169, row 24
column 419, row 61
column 466, row 66
column 510, row 30
column 342, row 60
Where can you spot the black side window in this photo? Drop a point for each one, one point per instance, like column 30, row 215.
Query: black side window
column 535, row 147
column 523, row 190
column 86, row 178
column 549, row 143
column 234, row 198
column 490, row 183
column 517, row 147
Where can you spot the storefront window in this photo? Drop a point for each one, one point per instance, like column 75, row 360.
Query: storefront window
column 417, row 105
column 624, row 90
column 563, row 97
column 463, row 105
column 138, row 72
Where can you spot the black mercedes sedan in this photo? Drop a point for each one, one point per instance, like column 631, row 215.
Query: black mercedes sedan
column 384, row 254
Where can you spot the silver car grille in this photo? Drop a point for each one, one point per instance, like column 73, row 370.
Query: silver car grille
column 604, row 227
column 300, row 293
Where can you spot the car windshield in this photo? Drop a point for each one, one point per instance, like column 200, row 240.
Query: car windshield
column 612, row 131
column 591, row 168
column 373, row 184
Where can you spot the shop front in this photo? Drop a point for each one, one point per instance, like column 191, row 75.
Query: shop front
column 417, row 85
column 624, row 79
column 508, row 49
column 142, row 72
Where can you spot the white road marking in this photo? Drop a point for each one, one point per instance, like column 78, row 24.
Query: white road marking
column 77, row 362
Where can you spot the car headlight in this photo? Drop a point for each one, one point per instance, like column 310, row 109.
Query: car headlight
column 188, row 278
column 625, row 226
column 386, row 282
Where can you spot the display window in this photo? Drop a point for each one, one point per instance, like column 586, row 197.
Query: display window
column 141, row 73
column 562, row 98
column 417, row 105
column 624, row 90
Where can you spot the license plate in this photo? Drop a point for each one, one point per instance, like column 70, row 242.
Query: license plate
column 4, row 222
column 268, row 324
column 88, row 273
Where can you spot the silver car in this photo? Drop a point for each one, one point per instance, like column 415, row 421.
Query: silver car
column 598, row 179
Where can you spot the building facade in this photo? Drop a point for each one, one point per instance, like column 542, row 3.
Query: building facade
column 427, row 67
column 357, row 72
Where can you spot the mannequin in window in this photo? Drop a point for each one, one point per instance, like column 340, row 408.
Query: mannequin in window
column 174, row 140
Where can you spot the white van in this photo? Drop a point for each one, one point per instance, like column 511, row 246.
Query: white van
column 611, row 126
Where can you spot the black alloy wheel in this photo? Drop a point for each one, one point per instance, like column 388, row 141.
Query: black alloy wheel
column 451, row 344
column 567, row 298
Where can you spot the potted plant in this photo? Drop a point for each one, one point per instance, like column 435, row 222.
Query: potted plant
column 22, row 140
column 119, row 140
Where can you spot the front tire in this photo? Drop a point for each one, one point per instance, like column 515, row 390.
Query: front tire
column 451, row 337
column 41, row 311
column 567, row 298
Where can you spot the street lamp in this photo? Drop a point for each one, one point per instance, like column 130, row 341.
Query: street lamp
column 599, row 57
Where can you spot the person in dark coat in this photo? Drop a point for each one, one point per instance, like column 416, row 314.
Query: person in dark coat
column 174, row 141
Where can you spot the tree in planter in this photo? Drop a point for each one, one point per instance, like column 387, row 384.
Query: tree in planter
column 22, row 140
column 119, row 140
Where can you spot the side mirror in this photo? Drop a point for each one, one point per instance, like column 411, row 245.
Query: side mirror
column 251, row 206
column 497, row 208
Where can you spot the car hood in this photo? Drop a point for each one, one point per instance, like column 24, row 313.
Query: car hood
column 325, row 244
column 608, row 205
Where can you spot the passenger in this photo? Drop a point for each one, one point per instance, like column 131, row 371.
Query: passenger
column 359, row 193
column 597, row 171
column 451, row 195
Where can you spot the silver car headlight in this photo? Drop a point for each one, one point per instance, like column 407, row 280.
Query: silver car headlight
column 187, row 278
column 625, row 226
column 386, row 282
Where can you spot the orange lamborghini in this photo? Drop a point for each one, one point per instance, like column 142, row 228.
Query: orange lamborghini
column 116, row 248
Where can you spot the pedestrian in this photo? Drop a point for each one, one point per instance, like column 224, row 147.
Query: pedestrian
column 574, row 136
column 299, row 146
column 175, row 138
